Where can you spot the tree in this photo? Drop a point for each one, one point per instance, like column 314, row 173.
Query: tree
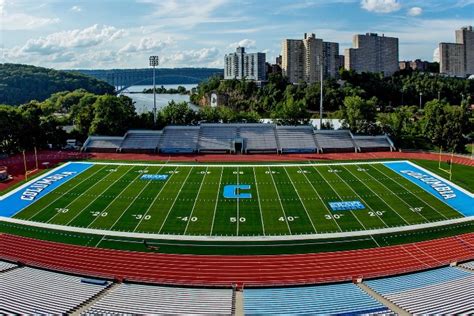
column 112, row 115
column 291, row 112
column 178, row 114
column 359, row 114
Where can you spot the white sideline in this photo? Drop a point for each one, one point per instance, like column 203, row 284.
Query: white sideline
column 360, row 233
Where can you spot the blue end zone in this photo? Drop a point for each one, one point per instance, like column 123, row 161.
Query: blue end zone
column 449, row 193
column 24, row 196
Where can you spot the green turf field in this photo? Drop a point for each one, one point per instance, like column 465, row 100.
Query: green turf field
column 287, row 200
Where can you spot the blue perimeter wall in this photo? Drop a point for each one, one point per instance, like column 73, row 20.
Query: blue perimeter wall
column 13, row 204
column 462, row 202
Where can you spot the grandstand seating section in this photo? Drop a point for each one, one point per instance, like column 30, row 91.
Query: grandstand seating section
column 27, row 291
column 335, row 140
column 259, row 137
column 293, row 139
column 445, row 291
column 6, row 265
column 179, row 139
column 372, row 143
column 468, row 265
column 220, row 138
column 217, row 137
column 135, row 141
column 344, row 298
column 103, row 143
column 140, row 299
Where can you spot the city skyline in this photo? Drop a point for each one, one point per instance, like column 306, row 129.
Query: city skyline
column 185, row 33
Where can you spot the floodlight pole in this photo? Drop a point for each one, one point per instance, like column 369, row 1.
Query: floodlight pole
column 154, row 61
column 321, row 97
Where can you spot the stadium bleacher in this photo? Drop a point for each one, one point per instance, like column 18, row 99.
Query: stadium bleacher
column 296, row 139
column 179, row 139
column 372, row 143
column 103, row 143
column 217, row 137
column 137, row 299
column 6, row 265
column 34, row 292
column 444, row 291
column 340, row 140
column 229, row 138
column 468, row 265
column 258, row 137
column 344, row 298
column 140, row 141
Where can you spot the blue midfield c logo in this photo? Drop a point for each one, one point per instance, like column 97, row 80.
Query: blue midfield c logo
column 234, row 191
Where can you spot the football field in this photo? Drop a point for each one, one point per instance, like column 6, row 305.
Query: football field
column 237, row 200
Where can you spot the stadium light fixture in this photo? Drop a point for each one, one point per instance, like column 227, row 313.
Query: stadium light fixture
column 154, row 62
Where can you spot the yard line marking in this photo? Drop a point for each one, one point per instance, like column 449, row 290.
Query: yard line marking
column 62, row 195
column 319, row 196
column 258, row 199
column 217, row 201
column 79, row 196
column 174, row 202
column 340, row 198
column 405, row 202
column 378, row 196
column 417, row 197
column 279, row 199
column 95, row 199
column 360, row 197
column 133, row 201
column 155, row 199
column 195, row 202
column 117, row 196
column 302, row 203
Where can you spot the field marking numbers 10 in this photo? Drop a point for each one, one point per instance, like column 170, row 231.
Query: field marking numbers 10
column 416, row 209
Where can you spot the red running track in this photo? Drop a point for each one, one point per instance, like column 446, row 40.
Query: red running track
column 258, row 270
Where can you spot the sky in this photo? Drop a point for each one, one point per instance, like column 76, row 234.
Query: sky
column 68, row 34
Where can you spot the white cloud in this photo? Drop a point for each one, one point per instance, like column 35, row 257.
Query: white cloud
column 436, row 54
column 415, row 11
column 21, row 21
column 88, row 37
column 2, row 7
column 380, row 6
column 146, row 44
column 76, row 8
column 193, row 58
column 247, row 43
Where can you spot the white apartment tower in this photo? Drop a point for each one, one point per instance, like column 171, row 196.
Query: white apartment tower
column 457, row 59
column 240, row 65
column 302, row 59
column 372, row 53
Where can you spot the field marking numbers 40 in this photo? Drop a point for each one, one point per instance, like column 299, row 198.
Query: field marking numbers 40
column 187, row 218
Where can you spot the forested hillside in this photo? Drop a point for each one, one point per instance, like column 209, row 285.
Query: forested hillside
column 22, row 83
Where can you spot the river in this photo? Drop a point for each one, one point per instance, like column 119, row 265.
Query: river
column 144, row 101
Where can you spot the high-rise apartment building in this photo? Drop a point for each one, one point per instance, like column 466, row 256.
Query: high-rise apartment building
column 302, row 59
column 372, row 53
column 457, row 59
column 240, row 65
